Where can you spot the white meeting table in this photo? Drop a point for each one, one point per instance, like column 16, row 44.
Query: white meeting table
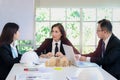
column 60, row 73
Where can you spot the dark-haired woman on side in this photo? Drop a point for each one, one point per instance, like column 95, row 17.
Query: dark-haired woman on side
column 48, row 47
column 8, row 51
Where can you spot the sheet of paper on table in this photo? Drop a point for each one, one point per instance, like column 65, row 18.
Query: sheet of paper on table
column 35, row 76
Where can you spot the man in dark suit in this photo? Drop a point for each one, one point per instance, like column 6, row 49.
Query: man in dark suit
column 109, row 57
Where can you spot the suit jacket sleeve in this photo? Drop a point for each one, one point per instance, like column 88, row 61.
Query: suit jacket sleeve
column 42, row 48
column 96, row 55
column 6, row 55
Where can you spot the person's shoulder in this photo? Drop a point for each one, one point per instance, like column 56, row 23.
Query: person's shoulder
column 5, row 46
column 66, row 41
column 115, row 38
column 48, row 39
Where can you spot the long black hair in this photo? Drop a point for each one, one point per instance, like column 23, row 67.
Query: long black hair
column 8, row 33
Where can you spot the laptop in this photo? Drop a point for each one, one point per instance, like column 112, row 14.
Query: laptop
column 71, row 56
column 69, row 53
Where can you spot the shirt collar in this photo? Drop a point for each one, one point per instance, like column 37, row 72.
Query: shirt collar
column 13, row 44
column 56, row 42
column 106, row 41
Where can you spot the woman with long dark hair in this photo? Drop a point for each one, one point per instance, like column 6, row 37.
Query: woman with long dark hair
column 54, row 46
column 8, row 51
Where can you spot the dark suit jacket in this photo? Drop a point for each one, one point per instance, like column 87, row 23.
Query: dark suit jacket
column 111, row 60
column 6, row 60
column 46, row 46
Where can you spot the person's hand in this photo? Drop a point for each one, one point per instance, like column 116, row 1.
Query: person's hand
column 59, row 54
column 49, row 54
column 83, row 58
column 43, row 56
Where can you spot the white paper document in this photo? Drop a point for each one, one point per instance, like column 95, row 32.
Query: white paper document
column 34, row 76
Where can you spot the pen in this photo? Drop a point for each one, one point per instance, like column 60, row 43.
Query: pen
column 30, row 69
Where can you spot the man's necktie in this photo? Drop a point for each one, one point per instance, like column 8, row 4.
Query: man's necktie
column 56, row 48
column 103, row 48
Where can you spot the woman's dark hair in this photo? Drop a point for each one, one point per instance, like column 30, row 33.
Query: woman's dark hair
column 61, row 28
column 105, row 25
column 8, row 33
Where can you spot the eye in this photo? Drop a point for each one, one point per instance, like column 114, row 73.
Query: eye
column 56, row 31
column 52, row 31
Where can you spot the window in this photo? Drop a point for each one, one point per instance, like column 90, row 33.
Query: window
column 80, row 25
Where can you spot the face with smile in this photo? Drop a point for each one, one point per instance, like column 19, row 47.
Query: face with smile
column 56, row 34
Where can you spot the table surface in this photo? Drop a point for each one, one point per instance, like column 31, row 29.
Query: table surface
column 60, row 73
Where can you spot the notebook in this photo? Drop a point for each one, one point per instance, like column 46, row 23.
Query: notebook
column 71, row 56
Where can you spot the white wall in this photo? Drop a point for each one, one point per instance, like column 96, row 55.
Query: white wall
column 20, row 12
